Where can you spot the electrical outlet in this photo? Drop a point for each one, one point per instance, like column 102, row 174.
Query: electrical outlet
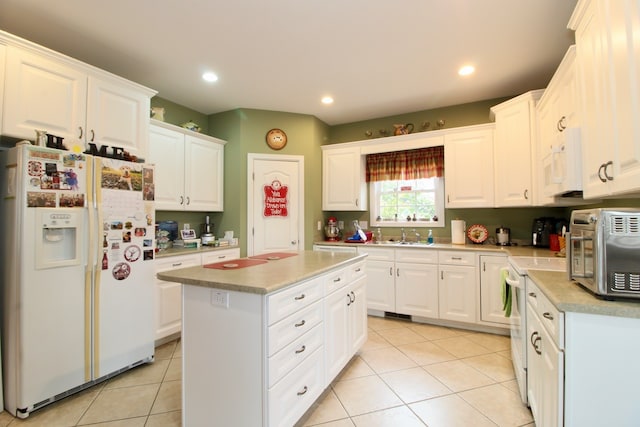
column 341, row 225
column 220, row 298
column 364, row 225
column 319, row 225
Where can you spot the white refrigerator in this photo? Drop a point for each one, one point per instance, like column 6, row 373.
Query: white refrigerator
column 77, row 272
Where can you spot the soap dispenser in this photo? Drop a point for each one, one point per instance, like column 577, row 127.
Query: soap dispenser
column 430, row 237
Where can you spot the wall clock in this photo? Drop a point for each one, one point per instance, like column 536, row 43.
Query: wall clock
column 276, row 139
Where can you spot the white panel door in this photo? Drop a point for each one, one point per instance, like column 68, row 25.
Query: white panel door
column 275, row 207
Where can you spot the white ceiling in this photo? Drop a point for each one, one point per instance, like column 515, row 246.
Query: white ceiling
column 377, row 58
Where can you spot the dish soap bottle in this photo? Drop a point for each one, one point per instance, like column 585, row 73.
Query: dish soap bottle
column 378, row 235
column 430, row 237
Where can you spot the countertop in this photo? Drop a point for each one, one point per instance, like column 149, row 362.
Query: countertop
column 495, row 249
column 569, row 296
column 264, row 278
column 187, row 251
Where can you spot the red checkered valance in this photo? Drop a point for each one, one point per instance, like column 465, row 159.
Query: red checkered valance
column 405, row 165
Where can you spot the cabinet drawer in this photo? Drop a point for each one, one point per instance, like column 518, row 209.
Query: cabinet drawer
column 293, row 354
column 293, row 395
column 294, row 326
column 220, row 255
column 335, row 280
column 356, row 271
column 290, row 300
column 377, row 254
column 457, row 258
column 551, row 318
column 182, row 261
column 418, row 256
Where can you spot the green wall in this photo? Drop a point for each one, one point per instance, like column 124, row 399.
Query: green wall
column 245, row 131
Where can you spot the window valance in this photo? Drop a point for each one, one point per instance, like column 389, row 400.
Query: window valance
column 405, row 165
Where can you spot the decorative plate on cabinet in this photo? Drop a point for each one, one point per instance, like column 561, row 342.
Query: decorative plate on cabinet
column 477, row 233
column 276, row 139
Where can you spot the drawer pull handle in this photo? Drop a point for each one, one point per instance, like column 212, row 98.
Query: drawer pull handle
column 222, row 256
column 349, row 300
column 299, row 297
column 304, row 391
column 533, row 295
column 358, row 270
column 177, row 264
column 297, row 325
column 547, row 315
column 303, row 348
column 456, row 258
column 336, row 280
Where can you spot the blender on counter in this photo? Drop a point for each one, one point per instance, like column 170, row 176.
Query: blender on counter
column 207, row 236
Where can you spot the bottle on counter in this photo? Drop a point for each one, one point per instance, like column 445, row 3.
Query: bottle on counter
column 430, row 237
column 379, row 235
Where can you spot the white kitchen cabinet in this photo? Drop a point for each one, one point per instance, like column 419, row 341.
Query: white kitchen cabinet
column 381, row 289
column 457, row 288
column 417, row 282
column 189, row 169
column 607, row 63
column 545, row 360
column 468, row 173
column 73, row 101
column 491, row 306
column 169, row 295
column 344, row 186
column 514, row 150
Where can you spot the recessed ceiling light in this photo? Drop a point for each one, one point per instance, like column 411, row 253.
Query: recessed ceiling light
column 466, row 70
column 327, row 100
column 209, row 77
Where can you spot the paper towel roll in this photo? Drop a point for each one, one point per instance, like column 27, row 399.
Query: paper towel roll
column 458, row 231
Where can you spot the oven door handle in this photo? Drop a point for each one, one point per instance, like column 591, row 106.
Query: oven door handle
column 511, row 282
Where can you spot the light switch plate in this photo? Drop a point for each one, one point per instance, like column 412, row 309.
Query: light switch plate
column 220, row 298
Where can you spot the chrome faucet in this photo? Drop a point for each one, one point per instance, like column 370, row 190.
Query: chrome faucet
column 417, row 235
column 404, row 236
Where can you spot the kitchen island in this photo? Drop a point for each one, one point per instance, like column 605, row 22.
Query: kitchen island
column 261, row 343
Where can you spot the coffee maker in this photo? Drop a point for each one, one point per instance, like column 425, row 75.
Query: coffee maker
column 541, row 231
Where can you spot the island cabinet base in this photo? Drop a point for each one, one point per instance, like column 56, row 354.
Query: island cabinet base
column 260, row 360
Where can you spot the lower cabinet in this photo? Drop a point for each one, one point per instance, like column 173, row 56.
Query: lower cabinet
column 491, row 306
column 417, row 282
column 457, row 289
column 169, row 294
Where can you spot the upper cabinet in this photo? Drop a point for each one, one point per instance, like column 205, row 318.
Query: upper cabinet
column 468, row 170
column 189, row 169
column 608, row 82
column 72, row 100
column 344, row 186
column 514, row 150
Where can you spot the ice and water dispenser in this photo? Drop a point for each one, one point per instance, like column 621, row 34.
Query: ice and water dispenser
column 59, row 234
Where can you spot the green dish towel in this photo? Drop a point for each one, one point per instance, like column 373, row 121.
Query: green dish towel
column 506, row 293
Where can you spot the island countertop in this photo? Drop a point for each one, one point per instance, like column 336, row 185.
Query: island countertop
column 264, row 278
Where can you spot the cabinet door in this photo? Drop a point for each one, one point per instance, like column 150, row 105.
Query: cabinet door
column 596, row 116
column 512, row 150
column 457, row 293
column 624, row 50
column 166, row 150
column 343, row 180
column 491, row 289
column 358, row 314
column 169, row 296
column 417, row 289
column 117, row 116
column 535, row 377
column 336, row 324
column 468, row 158
column 204, row 163
column 41, row 93
column 381, row 292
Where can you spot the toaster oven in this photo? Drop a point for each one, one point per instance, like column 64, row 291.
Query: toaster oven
column 603, row 251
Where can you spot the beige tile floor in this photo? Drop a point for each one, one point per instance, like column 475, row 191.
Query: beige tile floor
column 406, row 375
